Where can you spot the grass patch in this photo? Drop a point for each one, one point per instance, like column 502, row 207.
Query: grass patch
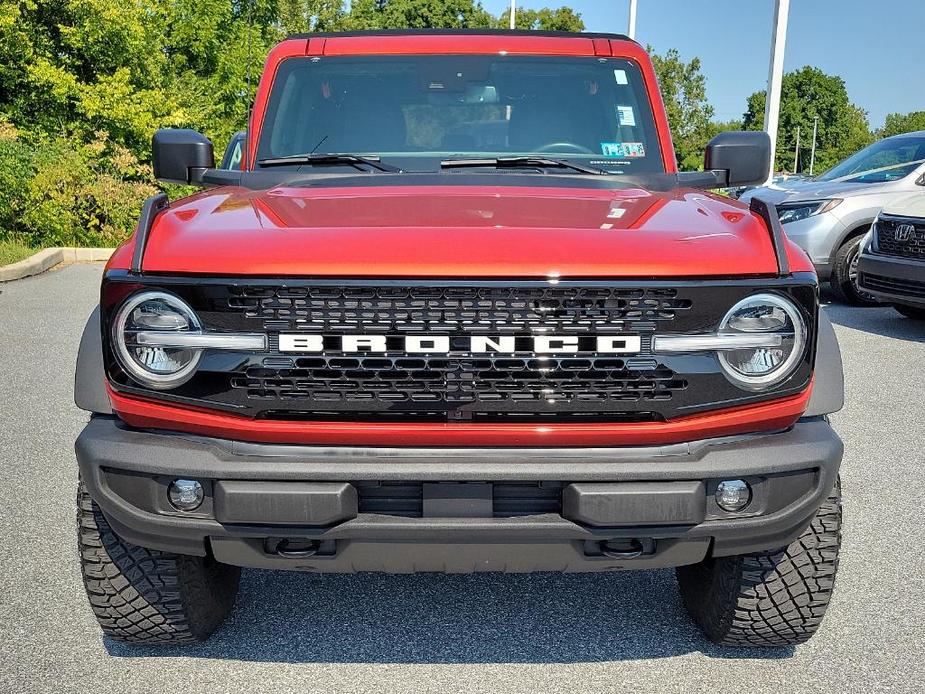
column 13, row 252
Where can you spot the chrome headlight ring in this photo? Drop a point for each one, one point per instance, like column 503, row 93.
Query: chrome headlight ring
column 158, row 367
column 767, row 366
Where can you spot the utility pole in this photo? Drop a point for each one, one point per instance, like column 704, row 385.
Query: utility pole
column 775, row 77
column 796, row 154
column 812, row 156
column 631, row 29
column 513, row 14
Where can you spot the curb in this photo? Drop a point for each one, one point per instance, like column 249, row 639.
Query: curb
column 49, row 257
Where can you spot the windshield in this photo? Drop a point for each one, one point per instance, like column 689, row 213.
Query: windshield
column 886, row 160
column 422, row 109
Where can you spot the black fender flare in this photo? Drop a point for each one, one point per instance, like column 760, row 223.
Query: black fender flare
column 829, row 382
column 90, row 377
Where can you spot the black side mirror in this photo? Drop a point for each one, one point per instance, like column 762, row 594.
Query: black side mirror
column 739, row 158
column 181, row 156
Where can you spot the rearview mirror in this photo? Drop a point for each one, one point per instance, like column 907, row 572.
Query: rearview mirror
column 181, row 156
column 739, row 158
column 479, row 94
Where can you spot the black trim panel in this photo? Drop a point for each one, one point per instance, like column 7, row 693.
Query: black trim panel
column 152, row 207
column 768, row 213
column 463, row 32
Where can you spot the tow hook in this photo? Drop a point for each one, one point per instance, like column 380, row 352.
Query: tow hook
column 291, row 548
column 627, row 549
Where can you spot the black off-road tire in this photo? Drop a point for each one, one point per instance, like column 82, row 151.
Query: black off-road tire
column 913, row 312
column 145, row 596
column 774, row 598
column 844, row 275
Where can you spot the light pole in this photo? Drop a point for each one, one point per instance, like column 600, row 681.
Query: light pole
column 775, row 77
column 631, row 28
column 796, row 154
column 513, row 14
column 812, row 155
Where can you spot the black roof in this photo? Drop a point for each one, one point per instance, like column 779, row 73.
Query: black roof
column 464, row 32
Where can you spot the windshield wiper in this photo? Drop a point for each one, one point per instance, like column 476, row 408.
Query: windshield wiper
column 329, row 159
column 527, row 162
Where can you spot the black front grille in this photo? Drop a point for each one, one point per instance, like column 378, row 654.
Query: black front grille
column 900, row 236
column 509, row 499
column 472, row 310
column 460, row 384
column 892, row 285
column 465, row 386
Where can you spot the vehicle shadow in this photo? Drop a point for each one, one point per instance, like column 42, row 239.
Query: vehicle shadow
column 284, row 617
column 881, row 320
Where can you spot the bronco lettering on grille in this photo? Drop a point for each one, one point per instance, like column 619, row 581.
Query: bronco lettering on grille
column 444, row 344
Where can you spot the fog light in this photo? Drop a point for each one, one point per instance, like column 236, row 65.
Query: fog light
column 185, row 495
column 733, row 495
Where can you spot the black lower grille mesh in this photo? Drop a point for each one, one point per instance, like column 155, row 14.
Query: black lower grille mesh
column 509, row 499
column 892, row 285
column 421, row 380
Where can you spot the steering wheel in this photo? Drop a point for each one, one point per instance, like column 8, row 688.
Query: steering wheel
column 567, row 146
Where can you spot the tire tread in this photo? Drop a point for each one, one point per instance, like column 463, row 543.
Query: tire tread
column 141, row 595
column 773, row 598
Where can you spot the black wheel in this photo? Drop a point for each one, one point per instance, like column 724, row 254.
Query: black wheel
column 910, row 311
column 774, row 598
column 844, row 279
column 145, row 596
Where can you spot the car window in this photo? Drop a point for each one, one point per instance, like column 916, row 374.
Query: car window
column 231, row 160
column 886, row 160
column 588, row 109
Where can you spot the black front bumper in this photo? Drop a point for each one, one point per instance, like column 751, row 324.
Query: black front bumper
column 619, row 508
column 893, row 279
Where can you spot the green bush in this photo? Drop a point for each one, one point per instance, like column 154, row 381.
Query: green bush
column 62, row 193
column 15, row 174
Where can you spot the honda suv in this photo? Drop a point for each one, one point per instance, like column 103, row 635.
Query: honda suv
column 828, row 215
column 892, row 261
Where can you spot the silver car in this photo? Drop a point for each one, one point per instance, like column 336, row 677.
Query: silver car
column 827, row 215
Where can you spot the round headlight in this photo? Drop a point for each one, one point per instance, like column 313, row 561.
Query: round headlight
column 155, row 366
column 762, row 367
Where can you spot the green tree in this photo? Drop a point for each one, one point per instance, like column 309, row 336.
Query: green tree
column 304, row 16
column 899, row 123
column 417, row 14
column 806, row 94
column 85, row 83
column 684, row 91
column 545, row 19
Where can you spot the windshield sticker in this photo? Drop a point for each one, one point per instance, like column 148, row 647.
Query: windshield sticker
column 625, row 116
column 627, row 150
column 620, row 76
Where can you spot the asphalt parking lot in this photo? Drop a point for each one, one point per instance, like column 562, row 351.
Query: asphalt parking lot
column 432, row 633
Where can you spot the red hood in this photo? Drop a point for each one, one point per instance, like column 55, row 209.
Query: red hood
column 457, row 231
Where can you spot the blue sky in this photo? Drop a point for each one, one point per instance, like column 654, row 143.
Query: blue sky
column 878, row 48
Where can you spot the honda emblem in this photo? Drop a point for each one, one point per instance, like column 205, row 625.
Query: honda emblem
column 904, row 232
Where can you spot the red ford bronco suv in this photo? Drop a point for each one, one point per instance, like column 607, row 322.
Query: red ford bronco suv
column 458, row 311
